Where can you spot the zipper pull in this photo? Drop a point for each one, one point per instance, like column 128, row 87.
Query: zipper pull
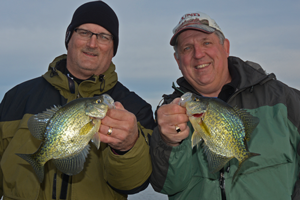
column 222, row 181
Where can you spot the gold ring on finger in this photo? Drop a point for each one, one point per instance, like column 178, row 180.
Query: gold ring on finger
column 109, row 132
column 177, row 129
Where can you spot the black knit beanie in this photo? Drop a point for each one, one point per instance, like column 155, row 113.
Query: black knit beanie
column 96, row 12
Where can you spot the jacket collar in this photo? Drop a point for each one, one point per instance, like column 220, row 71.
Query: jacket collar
column 96, row 85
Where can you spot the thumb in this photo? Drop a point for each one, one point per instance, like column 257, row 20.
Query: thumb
column 176, row 101
column 118, row 105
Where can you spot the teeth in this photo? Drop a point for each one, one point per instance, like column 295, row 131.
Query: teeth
column 201, row 66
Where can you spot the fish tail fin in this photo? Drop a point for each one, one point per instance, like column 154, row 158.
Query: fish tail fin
column 38, row 168
column 250, row 155
column 196, row 139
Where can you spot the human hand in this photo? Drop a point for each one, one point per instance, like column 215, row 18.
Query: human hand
column 171, row 117
column 124, row 128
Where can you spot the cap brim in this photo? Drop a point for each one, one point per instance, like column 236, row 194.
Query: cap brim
column 198, row 27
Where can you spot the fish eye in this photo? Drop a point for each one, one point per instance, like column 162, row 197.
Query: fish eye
column 196, row 99
column 98, row 101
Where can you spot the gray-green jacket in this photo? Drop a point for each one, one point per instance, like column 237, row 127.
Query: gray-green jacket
column 182, row 172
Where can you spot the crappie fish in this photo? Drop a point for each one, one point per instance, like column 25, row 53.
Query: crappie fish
column 65, row 133
column 224, row 130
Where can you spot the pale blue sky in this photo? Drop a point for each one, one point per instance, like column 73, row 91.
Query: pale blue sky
column 266, row 32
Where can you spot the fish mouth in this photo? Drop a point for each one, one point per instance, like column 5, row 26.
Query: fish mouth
column 92, row 119
column 199, row 115
column 196, row 114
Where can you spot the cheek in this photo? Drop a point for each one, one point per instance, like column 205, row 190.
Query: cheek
column 183, row 62
column 76, row 44
column 107, row 50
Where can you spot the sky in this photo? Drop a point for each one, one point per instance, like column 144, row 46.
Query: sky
column 267, row 32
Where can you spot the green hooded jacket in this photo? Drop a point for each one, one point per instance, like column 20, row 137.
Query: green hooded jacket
column 106, row 175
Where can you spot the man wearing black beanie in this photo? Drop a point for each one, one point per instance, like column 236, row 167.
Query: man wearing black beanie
column 89, row 13
column 122, row 165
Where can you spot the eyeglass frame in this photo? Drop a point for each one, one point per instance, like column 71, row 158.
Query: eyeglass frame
column 90, row 33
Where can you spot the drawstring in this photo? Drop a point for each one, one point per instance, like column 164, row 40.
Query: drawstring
column 251, row 89
column 53, row 72
column 102, row 84
column 176, row 88
column 71, row 84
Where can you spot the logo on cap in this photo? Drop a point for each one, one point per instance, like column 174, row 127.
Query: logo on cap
column 190, row 15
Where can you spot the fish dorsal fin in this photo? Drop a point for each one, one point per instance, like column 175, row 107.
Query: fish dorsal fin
column 73, row 164
column 215, row 161
column 37, row 123
column 250, row 122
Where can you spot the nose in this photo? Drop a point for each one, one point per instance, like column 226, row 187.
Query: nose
column 92, row 42
column 198, row 52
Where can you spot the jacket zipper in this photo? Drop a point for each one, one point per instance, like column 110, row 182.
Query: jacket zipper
column 222, row 184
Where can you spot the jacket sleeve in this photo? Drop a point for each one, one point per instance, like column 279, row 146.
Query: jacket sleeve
column 293, row 109
column 6, row 135
column 4, row 141
column 1, row 153
column 7, row 131
column 172, row 166
column 129, row 173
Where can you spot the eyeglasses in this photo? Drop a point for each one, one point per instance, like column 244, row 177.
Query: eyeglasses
column 102, row 38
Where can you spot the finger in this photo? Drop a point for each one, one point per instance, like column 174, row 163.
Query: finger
column 119, row 114
column 119, row 105
column 121, row 119
column 175, row 101
column 175, row 137
column 119, row 139
column 108, row 130
column 180, row 127
column 170, row 120
column 170, row 109
column 109, row 139
column 175, row 128
column 182, row 134
column 121, row 134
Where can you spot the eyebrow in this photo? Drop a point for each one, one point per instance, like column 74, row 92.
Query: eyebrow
column 202, row 39
column 93, row 31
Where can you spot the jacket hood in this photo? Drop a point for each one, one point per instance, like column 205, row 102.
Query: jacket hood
column 251, row 73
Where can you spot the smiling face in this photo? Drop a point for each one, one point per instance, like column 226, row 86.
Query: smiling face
column 203, row 61
column 88, row 57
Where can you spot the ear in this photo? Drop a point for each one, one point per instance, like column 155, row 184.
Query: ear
column 227, row 46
